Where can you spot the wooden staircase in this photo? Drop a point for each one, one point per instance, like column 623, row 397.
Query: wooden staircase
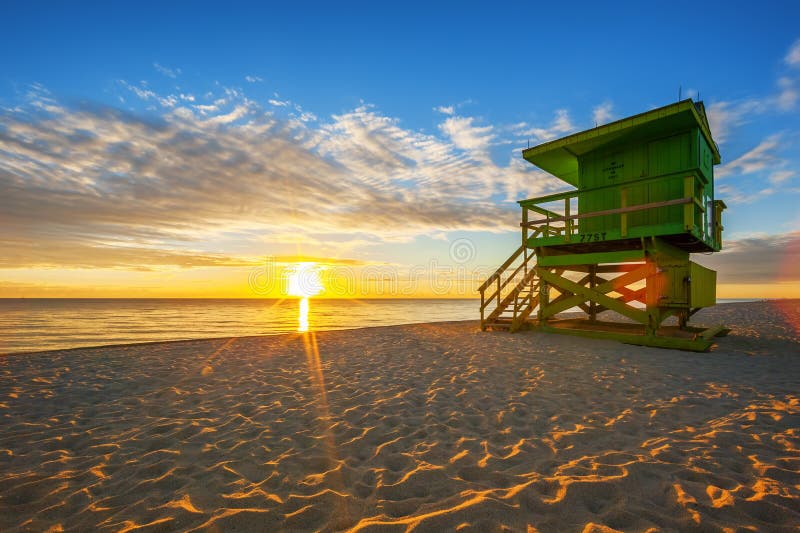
column 511, row 294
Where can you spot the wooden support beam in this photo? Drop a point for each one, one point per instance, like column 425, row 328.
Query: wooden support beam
column 597, row 294
column 592, row 285
column 569, row 260
column 710, row 333
column 698, row 344
column 565, row 295
column 626, row 267
column 576, row 268
column 562, row 305
column 629, row 295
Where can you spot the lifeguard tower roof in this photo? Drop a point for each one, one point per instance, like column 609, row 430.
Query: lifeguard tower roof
column 560, row 157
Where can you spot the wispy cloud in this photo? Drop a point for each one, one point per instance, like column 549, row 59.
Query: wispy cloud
column 761, row 172
column 761, row 259
column 168, row 72
column 725, row 116
column 603, row 113
column 465, row 135
column 735, row 196
column 253, row 79
column 787, row 97
column 93, row 185
column 81, row 253
column 445, row 110
column 793, row 55
column 780, row 176
column 755, row 160
column 561, row 125
column 235, row 114
column 206, row 109
column 143, row 93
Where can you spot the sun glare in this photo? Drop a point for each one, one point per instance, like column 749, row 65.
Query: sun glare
column 303, row 280
column 302, row 316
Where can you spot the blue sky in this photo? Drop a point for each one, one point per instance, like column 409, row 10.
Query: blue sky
column 403, row 122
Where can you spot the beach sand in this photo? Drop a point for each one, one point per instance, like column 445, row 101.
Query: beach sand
column 429, row 427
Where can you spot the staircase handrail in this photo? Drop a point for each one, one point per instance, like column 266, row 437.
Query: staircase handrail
column 500, row 269
column 510, row 297
column 502, row 285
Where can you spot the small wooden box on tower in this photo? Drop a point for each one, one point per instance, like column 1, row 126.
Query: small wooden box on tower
column 643, row 201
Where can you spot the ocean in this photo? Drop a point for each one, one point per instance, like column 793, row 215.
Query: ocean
column 47, row 324
column 37, row 324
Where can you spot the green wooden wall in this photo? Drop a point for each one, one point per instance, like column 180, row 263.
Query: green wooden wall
column 624, row 166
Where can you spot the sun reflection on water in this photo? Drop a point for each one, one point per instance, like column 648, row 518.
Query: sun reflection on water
column 303, row 280
column 302, row 317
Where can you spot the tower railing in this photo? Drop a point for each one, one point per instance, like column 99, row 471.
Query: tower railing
column 562, row 217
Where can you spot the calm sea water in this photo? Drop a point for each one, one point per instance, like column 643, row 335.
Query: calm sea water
column 46, row 324
column 28, row 325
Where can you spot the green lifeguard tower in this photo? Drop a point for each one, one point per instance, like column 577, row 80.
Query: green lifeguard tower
column 643, row 201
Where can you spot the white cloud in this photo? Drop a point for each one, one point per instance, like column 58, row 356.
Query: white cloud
column 238, row 112
column 793, row 55
column 147, row 94
column 735, row 196
column 759, row 158
column 780, row 176
column 758, row 259
column 560, row 126
column 144, row 94
column 206, row 109
column 90, row 183
column 306, row 116
column 278, row 103
column 445, row 110
column 168, row 101
column 302, row 115
column 562, row 122
column 724, row 117
column 787, row 97
column 170, row 73
column 253, row 79
column 465, row 135
column 603, row 113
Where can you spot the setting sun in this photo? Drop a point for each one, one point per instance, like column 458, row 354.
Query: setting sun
column 303, row 280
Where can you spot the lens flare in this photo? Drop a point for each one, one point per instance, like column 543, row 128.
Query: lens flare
column 303, row 280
